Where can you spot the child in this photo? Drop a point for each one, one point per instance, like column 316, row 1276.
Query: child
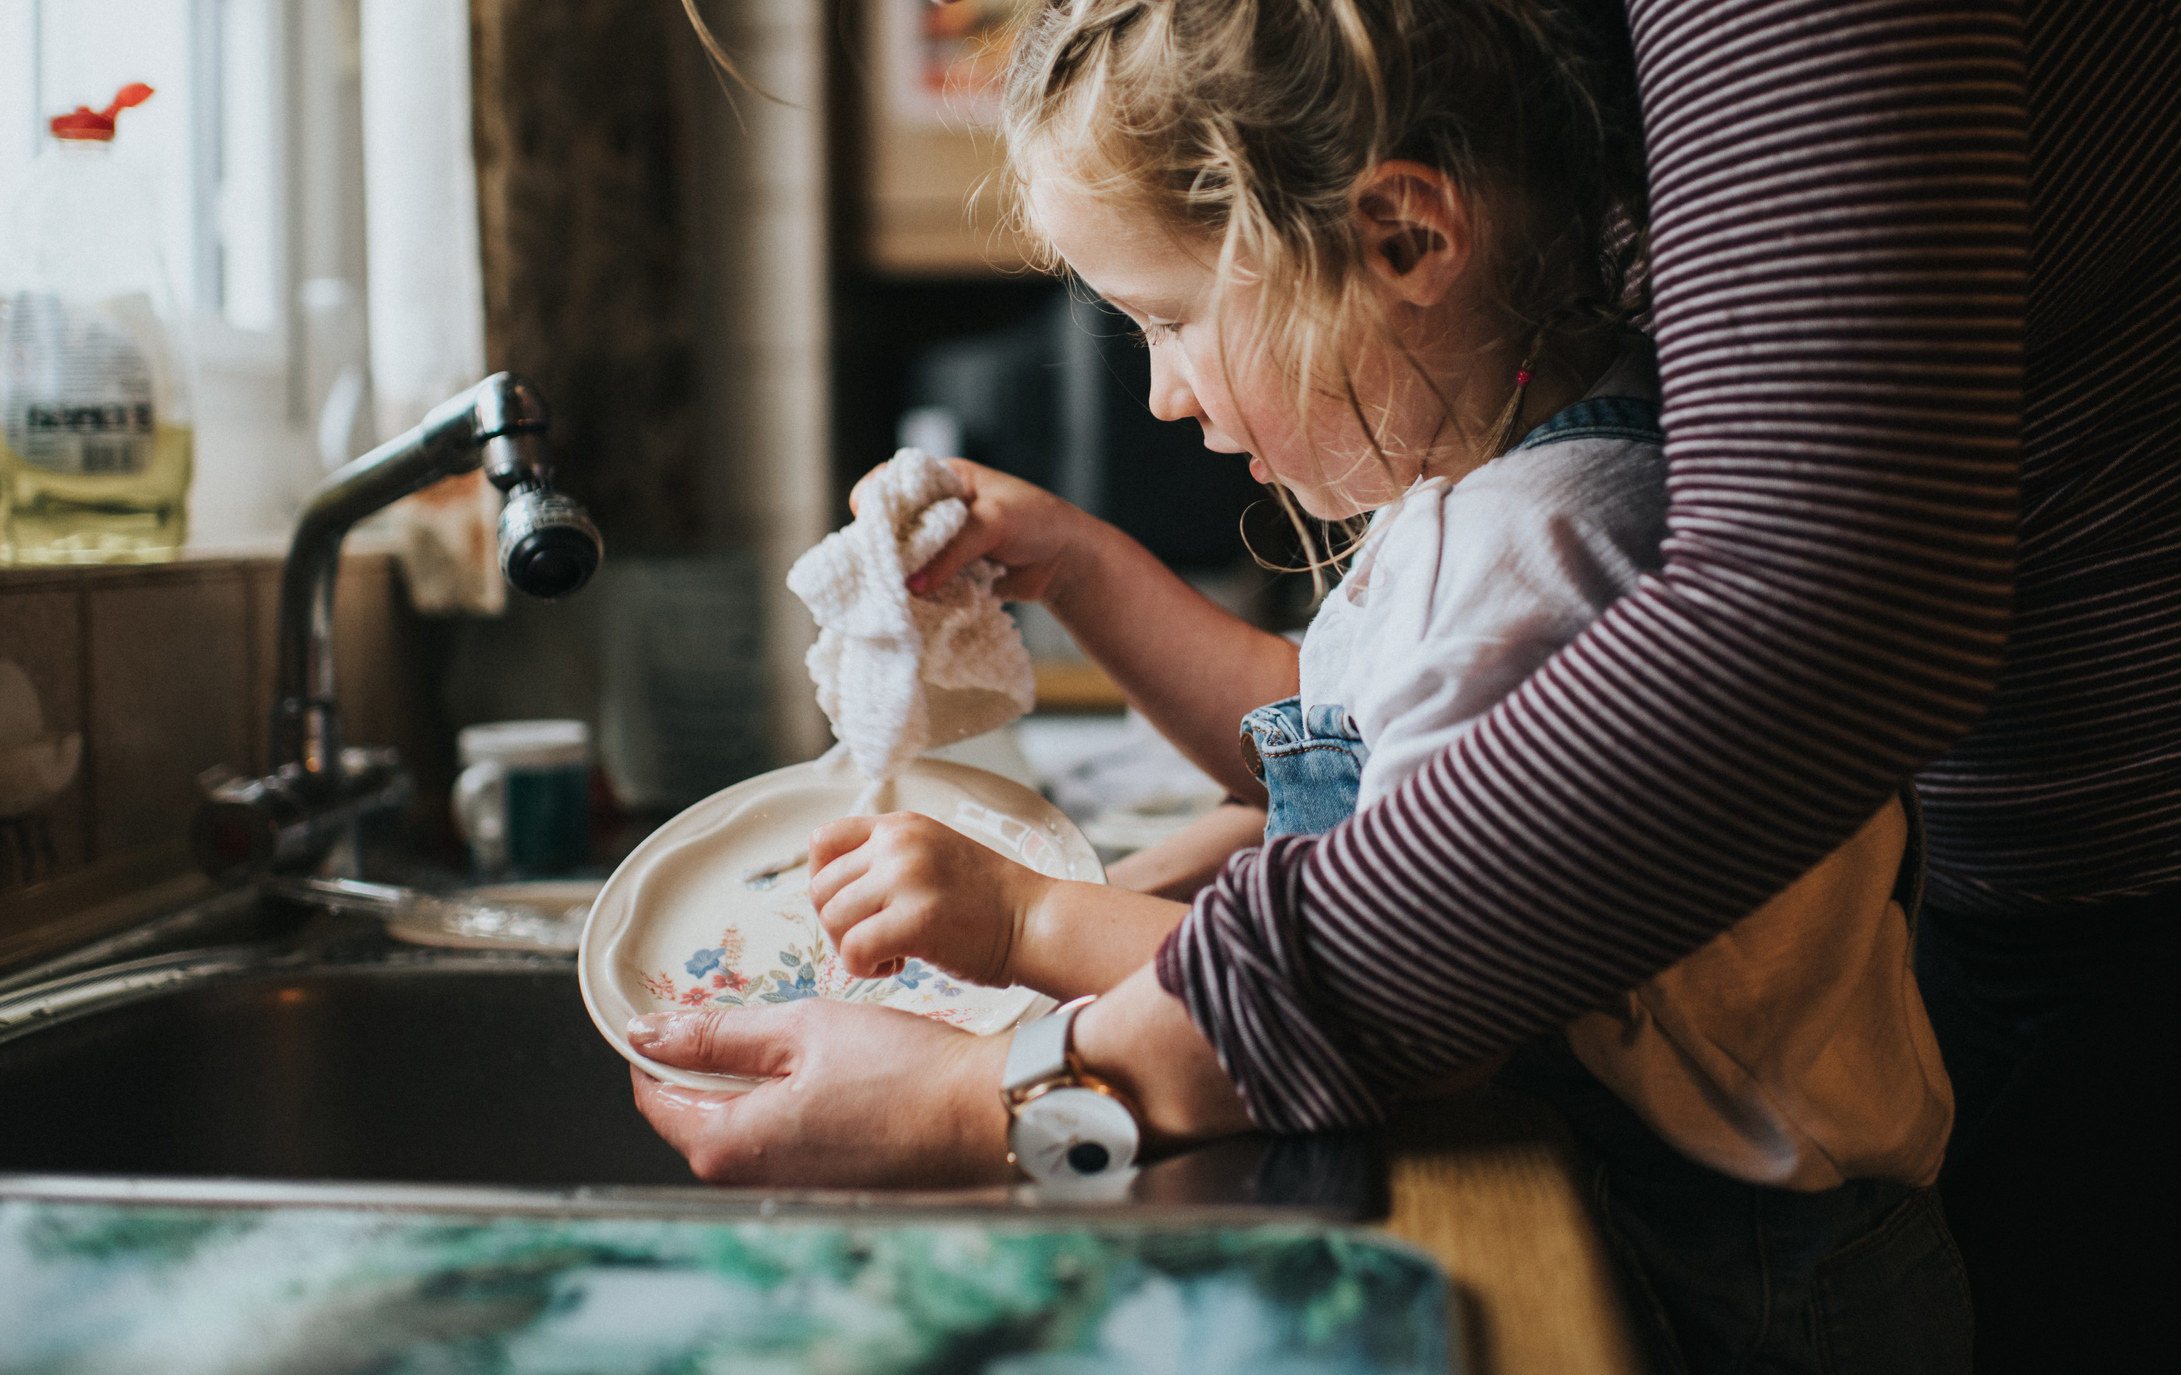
column 1384, row 248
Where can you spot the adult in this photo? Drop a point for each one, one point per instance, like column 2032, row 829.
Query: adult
column 1939, row 244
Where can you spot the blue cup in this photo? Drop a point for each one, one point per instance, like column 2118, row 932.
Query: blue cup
column 523, row 799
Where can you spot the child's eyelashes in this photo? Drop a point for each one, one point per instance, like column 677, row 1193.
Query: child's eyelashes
column 1154, row 332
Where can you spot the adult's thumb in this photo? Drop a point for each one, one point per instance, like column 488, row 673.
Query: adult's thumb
column 753, row 1042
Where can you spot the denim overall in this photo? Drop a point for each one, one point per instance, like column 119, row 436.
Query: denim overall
column 1720, row 1275
column 1312, row 763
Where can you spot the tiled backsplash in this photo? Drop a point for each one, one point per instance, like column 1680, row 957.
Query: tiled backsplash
column 167, row 670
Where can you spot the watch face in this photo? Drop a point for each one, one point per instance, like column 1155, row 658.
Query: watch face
column 1072, row 1133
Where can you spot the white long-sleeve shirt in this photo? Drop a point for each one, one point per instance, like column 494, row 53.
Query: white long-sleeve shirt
column 1462, row 589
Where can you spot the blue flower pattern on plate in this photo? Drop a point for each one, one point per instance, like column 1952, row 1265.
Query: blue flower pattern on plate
column 915, row 972
column 704, row 962
column 807, row 973
column 804, row 984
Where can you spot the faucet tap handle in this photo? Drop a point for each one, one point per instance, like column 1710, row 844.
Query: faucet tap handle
column 253, row 826
column 510, row 422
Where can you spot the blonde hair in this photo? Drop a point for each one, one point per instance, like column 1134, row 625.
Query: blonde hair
column 1250, row 125
column 724, row 67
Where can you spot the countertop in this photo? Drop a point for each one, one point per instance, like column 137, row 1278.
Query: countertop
column 1486, row 1184
column 1481, row 1185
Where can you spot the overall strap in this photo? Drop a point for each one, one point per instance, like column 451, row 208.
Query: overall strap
column 1599, row 417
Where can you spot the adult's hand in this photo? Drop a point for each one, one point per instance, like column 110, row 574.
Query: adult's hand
column 868, row 1097
column 856, row 1096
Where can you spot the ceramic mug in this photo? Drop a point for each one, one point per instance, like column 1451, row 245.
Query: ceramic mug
column 523, row 798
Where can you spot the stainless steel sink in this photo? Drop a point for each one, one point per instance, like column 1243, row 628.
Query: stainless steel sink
column 427, row 1068
column 248, row 1044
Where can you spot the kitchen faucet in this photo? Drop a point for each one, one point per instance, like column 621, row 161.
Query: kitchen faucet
column 320, row 787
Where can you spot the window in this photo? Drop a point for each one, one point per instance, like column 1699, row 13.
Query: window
column 252, row 147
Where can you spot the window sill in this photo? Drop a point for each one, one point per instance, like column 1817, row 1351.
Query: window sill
column 193, row 561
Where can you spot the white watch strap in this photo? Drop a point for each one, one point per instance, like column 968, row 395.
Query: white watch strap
column 1040, row 1050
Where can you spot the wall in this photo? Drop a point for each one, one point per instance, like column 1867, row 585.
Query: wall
column 166, row 671
column 656, row 259
column 760, row 192
column 581, row 141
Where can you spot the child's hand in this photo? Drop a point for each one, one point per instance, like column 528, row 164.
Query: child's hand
column 900, row 885
column 1020, row 526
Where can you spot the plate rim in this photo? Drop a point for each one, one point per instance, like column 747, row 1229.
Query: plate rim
column 826, row 768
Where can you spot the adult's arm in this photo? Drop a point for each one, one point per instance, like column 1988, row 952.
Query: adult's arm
column 1839, row 229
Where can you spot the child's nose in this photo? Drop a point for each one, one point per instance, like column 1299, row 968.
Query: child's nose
column 1172, row 398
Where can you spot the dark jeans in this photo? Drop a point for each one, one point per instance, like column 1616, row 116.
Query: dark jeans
column 2062, row 1033
column 1722, row 1276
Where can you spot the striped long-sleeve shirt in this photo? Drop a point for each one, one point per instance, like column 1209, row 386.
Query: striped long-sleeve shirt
column 1917, row 285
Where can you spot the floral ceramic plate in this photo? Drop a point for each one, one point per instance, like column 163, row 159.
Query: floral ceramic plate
column 706, row 913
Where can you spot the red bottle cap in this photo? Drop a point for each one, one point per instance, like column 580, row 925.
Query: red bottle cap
column 98, row 125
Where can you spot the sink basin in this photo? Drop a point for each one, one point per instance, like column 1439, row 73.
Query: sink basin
column 425, row 1069
column 265, row 1052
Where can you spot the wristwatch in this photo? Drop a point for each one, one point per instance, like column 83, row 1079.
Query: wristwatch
column 1066, row 1127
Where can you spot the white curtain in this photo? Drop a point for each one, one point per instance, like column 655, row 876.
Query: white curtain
column 427, row 292
column 422, row 208
column 426, row 295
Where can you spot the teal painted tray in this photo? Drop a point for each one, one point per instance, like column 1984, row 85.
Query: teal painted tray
column 115, row 1287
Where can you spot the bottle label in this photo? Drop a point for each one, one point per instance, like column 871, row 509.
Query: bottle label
column 75, row 391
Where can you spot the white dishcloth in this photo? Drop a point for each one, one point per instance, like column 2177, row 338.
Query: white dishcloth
column 898, row 674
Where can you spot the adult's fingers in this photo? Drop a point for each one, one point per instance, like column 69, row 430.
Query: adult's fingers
column 873, row 1097
column 757, row 1043
column 702, row 1127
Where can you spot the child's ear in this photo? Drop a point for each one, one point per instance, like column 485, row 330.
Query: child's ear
column 1416, row 230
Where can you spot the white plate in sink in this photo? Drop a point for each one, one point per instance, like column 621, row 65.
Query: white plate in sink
column 682, row 923
column 544, row 914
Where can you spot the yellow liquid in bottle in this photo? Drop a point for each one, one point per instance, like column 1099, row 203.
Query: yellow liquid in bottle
column 141, row 517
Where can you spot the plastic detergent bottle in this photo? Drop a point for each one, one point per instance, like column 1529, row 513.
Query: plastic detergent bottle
column 96, row 440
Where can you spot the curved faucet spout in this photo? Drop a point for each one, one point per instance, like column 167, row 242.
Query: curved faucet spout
column 498, row 425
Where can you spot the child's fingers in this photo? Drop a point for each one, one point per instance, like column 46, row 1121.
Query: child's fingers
column 835, row 839
column 855, row 493
column 826, row 884
column 879, row 946
column 973, row 542
column 855, row 903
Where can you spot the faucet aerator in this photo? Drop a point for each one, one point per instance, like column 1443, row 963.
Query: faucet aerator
column 548, row 546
